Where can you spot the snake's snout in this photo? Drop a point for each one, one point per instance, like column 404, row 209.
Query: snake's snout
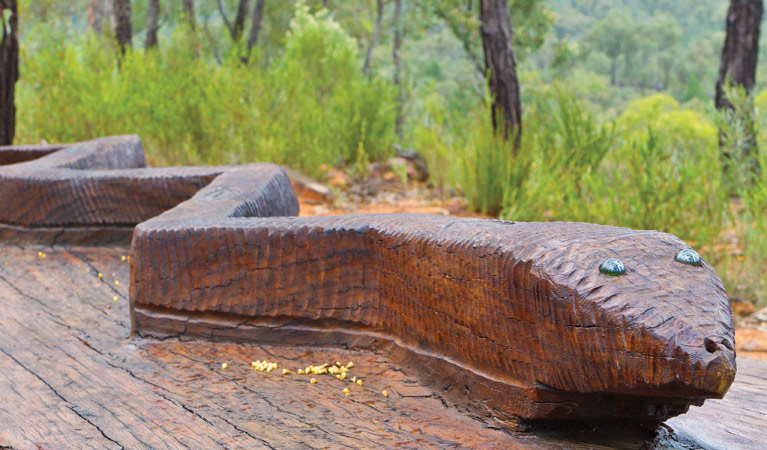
column 718, row 366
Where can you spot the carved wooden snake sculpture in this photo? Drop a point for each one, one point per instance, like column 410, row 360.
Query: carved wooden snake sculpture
column 518, row 320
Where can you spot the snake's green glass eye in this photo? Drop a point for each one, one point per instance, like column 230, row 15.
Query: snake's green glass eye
column 688, row 256
column 612, row 267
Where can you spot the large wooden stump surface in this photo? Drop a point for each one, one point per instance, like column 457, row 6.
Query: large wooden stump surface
column 71, row 377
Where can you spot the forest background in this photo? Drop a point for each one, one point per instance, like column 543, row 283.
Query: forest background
column 619, row 123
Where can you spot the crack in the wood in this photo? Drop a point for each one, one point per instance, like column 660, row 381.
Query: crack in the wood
column 262, row 441
column 173, row 401
column 69, row 404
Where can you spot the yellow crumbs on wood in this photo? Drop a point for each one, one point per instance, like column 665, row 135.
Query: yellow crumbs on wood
column 264, row 366
column 100, row 275
column 42, row 254
column 114, row 299
column 286, row 372
column 123, row 258
column 385, row 394
column 6, row 264
column 359, row 382
column 313, row 381
column 224, row 365
column 346, row 391
column 117, row 283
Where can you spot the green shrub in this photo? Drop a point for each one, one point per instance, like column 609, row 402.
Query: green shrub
column 664, row 173
column 566, row 143
column 463, row 151
column 311, row 106
column 651, row 186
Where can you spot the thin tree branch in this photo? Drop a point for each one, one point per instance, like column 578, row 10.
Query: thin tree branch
column 255, row 27
column 464, row 38
column 374, row 37
column 226, row 19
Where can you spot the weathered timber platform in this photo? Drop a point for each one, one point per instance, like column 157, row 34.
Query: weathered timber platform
column 70, row 377
column 471, row 326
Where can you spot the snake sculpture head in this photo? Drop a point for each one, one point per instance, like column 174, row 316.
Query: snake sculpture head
column 522, row 321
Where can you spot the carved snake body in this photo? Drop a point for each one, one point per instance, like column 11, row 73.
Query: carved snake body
column 511, row 319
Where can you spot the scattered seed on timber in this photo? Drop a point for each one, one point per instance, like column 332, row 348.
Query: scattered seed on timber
column 313, row 381
column 114, row 299
column 359, row 382
column 123, row 258
column 354, row 379
column 42, row 254
column 224, row 366
column 338, row 363
column 100, row 275
column 385, row 394
column 350, row 365
column 286, row 372
column 117, row 283
column 301, row 371
column 6, row 264
column 346, row 391
column 264, row 365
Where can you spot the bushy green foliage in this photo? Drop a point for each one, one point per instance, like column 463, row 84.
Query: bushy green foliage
column 312, row 106
column 605, row 146
column 656, row 168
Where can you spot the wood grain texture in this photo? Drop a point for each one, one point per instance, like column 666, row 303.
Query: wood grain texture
column 511, row 320
column 71, row 377
column 20, row 153
column 68, row 195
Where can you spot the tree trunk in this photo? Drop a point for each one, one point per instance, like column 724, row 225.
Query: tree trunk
column 398, row 65
column 500, row 62
column 740, row 47
column 9, row 72
column 235, row 29
column 122, row 24
column 373, row 37
column 152, row 23
column 739, row 58
column 189, row 13
column 255, row 27
column 239, row 20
